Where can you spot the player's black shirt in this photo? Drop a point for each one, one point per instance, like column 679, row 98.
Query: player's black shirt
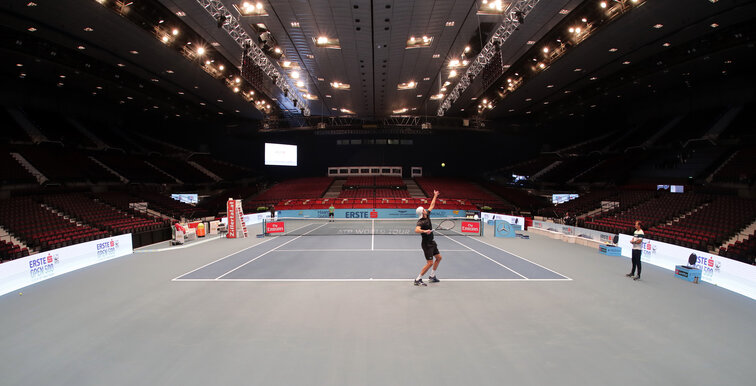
column 425, row 224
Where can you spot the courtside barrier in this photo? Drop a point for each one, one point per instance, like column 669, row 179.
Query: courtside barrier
column 721, row 271
column 369, row 213
column 253, row 218
column 515, row 220
column 32, row 269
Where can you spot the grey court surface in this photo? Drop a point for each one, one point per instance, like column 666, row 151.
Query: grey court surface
column 128, row 322
column 367, row 257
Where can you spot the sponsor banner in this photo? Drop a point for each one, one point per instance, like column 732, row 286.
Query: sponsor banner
column 254, row 218
column 232, row 226
column 274, row 227
column 547, row 225
column 470, row 227
column 31, row 269
column 721, row 271
column 369, row 213
column 590, row 234
column 514, row 220
column 503, row 228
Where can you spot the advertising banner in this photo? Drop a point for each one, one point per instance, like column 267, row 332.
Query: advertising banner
column 727, row 273
column 514, row 220
column 231, row 211
column 590, row 234
column 274, row 227
column 369, row 213
column 471, row 227
column 32, row 269
column 254, row 218
column 503, row 229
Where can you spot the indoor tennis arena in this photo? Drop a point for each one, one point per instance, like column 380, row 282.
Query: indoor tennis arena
column 377, row 192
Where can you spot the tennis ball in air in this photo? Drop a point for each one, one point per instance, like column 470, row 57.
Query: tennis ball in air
column 443, row 164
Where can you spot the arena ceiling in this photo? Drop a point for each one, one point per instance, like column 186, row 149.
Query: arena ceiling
column 395, row 55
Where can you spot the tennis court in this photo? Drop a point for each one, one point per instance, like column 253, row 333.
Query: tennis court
column 365, row 250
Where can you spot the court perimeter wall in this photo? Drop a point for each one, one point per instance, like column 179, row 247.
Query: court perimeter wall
column 32, row 269
column 369, row 213
column 721, row 271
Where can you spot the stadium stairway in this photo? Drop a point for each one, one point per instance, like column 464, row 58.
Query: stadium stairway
column 30, row 168
column 205, row 171
column 335, row 189
column 164, row 172
column 100, row 145
column 723, row 123
column 6, row 236
column 412, row 188
column 545, row 170
column 106, row 167
column 742, row 235
column 23, row 122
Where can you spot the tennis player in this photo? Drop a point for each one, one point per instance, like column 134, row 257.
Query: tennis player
column 430, row 249
column 331, row 210
column 637, row 242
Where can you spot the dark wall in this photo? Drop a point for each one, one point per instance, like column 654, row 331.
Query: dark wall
column 464, row 153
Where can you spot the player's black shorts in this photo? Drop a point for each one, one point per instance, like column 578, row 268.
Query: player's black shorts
column 430, row 249
column 330, row 214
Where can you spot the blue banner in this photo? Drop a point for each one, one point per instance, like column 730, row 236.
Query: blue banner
column 369, row 213
column 504, row 229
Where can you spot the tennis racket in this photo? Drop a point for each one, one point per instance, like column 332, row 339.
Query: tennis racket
column 445, row 225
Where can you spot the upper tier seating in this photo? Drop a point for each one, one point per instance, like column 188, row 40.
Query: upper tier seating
column 740, row 169
column 57, row 128
column 10, row 130
column 224, row 170
column 65, row 165
column 133, row 168
column 11, row 172
column 182, row 170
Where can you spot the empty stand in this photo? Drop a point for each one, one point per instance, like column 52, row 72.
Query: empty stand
column 99, row 214
column 61, row 164
column 11, row 172
column 40, row 228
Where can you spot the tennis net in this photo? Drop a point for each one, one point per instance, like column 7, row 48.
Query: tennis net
column 348, row 226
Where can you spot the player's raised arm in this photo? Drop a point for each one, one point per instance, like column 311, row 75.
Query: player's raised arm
column 433, row 202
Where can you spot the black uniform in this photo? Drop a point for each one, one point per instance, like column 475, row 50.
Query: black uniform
column 428, row 245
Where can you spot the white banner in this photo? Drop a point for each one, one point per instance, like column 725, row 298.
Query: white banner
column 590, row 234
column 485, row 216
column 726, row 273
column 254, row 218
column 32, row 269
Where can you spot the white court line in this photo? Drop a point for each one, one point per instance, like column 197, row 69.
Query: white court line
column 269, row 251
column 504, row 266
column 212, row 262
column 365, row 250
column 520, row 257
column 362, row 280
column 372, row 235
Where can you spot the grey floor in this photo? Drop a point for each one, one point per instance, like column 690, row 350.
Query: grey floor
column 126, row 322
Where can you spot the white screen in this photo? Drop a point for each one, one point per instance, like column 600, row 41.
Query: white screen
column 280, row 155
column 188, row 198
column 560, row 198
